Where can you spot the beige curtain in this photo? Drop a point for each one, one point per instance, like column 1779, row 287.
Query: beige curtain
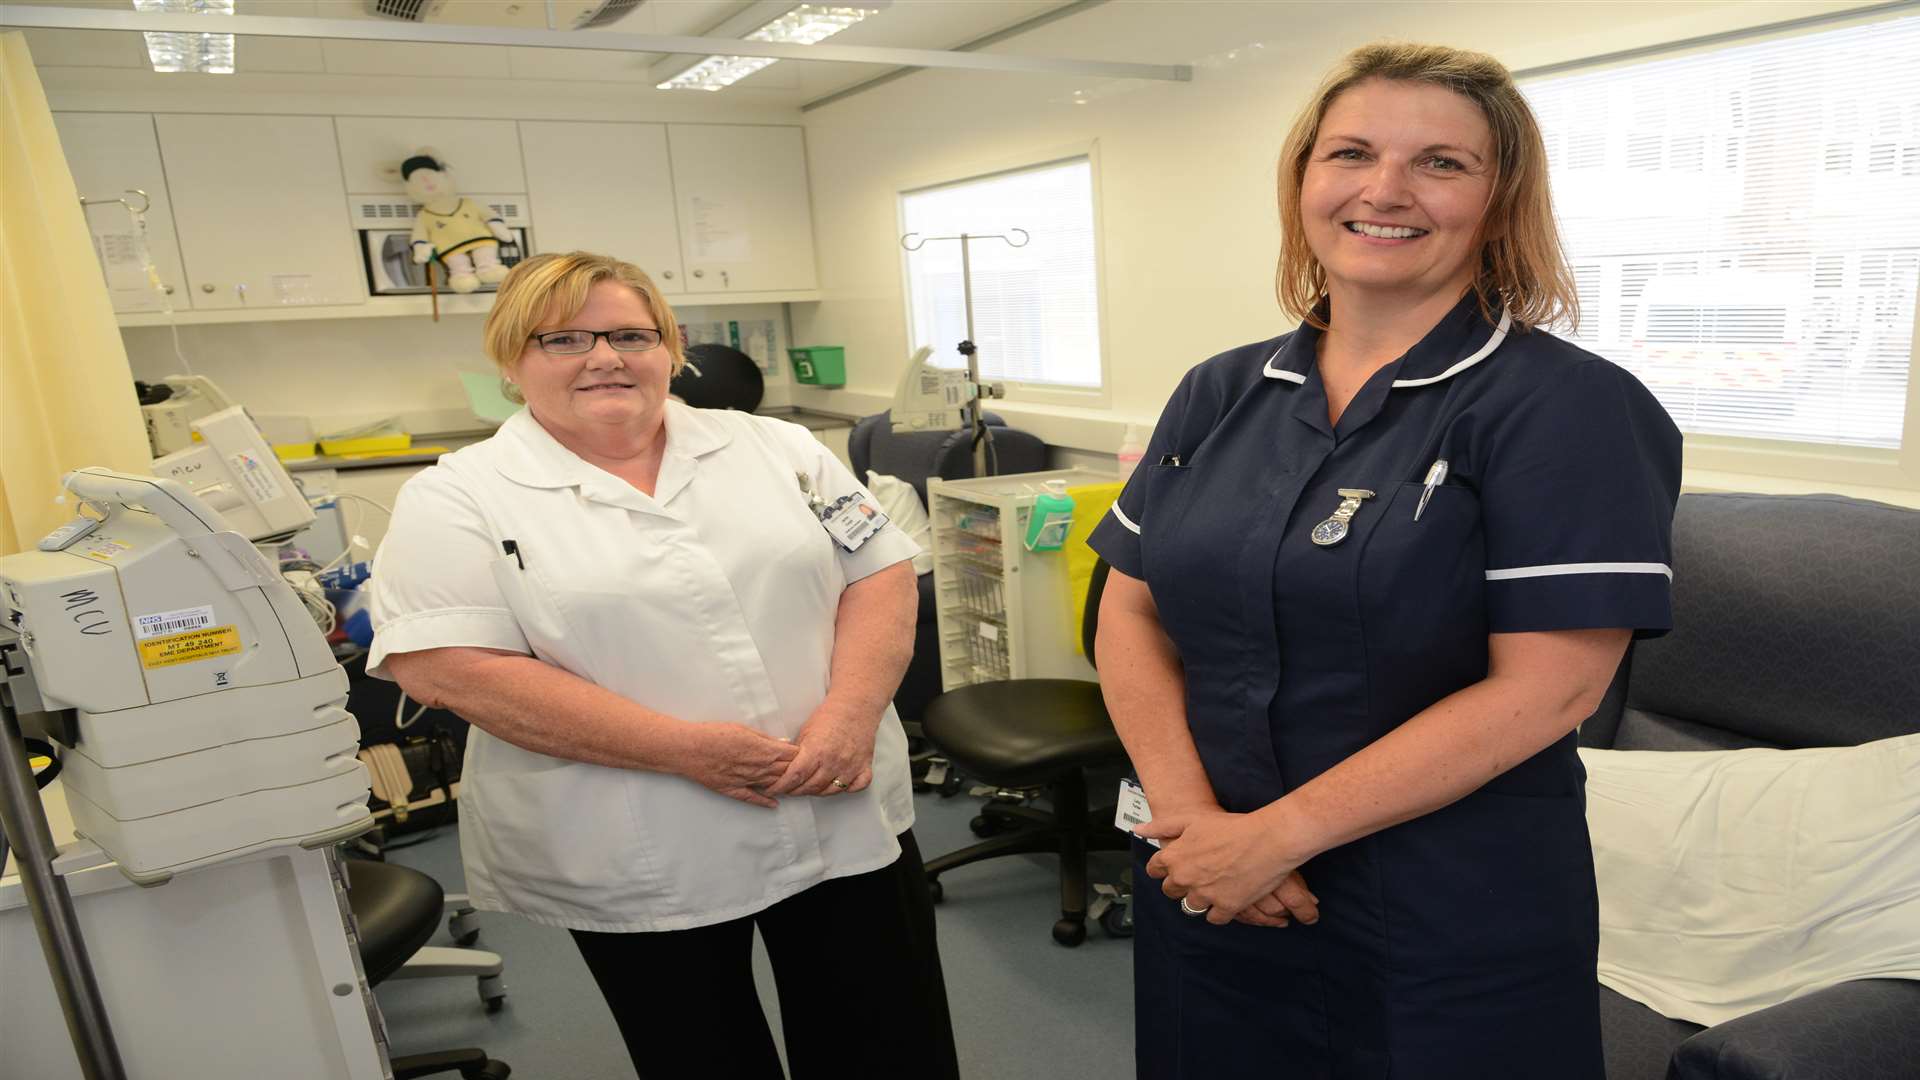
column 66, row 392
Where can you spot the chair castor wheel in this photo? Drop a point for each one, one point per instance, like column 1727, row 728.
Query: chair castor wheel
column 492, row 1070
column 937, row 891
column 984, row 826
column 493, row 992
column 1070, row 932
column 950, row 786
column 464, row 927
column 1117, row 921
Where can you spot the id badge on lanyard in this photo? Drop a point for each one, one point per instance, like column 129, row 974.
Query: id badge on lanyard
column 851, row 519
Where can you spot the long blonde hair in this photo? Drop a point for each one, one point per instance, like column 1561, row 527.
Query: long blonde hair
column 1522, row 265
column 553, row 288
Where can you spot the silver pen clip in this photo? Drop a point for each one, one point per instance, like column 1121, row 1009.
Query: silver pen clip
column 1436, row 475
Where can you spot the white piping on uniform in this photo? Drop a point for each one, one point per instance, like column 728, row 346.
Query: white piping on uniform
column 1124, row 520
column 1557, row 569
column 1272, row 372
column 1499, row 335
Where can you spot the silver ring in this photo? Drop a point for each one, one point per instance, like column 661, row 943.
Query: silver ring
column 841, row 784
column 1189, row 909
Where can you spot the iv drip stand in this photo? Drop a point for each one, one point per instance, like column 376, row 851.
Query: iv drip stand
column 976, row 408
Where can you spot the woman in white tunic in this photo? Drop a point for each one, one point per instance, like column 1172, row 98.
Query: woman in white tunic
column 677, row 641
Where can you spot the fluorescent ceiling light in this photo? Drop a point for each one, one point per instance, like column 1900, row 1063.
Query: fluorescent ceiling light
column 210, row 54
column 803, row 24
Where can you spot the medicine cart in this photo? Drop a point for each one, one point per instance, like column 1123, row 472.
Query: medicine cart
column 1004, row 612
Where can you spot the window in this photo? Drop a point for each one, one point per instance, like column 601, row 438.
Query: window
column 1744, row 228
column 1036, row 309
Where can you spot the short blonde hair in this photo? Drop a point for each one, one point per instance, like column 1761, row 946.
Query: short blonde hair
column 1522, row 265
column 553, row 288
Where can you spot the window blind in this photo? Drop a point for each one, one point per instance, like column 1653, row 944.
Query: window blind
column 1036, row 309
column 1744, row 228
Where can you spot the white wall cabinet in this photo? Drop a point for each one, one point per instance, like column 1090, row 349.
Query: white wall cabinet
column 746, row 223
column 607, row 188
column 481, row 155
column 108, row 154
column 261, row 211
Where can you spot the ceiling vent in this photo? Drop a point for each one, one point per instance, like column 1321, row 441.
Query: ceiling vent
column 529, row 14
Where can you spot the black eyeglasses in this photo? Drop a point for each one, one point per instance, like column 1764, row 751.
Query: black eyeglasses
column 575, row 342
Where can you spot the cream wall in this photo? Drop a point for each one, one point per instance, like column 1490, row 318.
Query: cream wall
column 1185, row 172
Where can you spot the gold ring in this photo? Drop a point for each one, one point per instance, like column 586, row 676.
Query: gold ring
column 839, row 783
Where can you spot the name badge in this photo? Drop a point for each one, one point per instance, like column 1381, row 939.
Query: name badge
column 1131, row 809
column 852, row 520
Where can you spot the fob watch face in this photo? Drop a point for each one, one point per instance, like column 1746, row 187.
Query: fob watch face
column 1330, row 531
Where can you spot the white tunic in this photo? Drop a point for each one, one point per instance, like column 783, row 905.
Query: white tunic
column 712, row 600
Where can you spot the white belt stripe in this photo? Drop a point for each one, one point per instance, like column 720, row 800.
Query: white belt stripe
column 1124, row 520
column 1557, row 569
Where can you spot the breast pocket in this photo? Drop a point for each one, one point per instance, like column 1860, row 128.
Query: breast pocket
column 1422, row 591
column 534, row 609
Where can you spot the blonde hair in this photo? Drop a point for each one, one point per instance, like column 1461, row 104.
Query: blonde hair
column 553, row 288
column 1522, row 265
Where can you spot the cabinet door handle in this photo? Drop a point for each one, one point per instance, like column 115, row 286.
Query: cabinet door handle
column 725, row 280
column 668, row 275
column 699, row 273
column 206, row 288
column 241, row 291
column 168, row 289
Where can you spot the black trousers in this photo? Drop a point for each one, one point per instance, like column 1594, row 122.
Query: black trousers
column 855, row 964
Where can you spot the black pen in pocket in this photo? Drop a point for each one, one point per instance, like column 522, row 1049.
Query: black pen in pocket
column 513, row 549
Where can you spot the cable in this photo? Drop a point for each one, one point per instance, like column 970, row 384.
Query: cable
column 401, row 721
column 347, row 550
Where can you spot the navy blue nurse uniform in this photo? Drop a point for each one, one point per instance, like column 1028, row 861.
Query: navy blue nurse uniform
column 1462, row 943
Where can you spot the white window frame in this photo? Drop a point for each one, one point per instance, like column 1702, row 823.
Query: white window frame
column 1025, row 393
column 1846, row 466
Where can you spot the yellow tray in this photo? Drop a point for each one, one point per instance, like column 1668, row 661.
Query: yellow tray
column 367, row 444
column 295, row 451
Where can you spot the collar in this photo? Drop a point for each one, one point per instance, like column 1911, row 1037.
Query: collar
column 533, row 457
column 1460, row 340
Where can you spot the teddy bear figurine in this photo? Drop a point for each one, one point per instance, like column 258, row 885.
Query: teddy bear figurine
column 461, row 233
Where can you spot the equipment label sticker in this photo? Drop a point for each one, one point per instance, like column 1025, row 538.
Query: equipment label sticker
column 186, row 648
column 172, row 622
column 257, row 478
column 103, row 549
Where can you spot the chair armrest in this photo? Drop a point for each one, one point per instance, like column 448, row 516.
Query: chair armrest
column 1860, row 1030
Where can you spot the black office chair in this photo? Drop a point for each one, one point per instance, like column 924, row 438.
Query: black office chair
column 397, row 910
column 1027, row 733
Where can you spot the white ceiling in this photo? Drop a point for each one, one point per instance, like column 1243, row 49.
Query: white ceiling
column 919, row 24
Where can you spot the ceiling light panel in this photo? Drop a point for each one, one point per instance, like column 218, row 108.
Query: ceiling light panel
column 805, row 24
column 209, row 54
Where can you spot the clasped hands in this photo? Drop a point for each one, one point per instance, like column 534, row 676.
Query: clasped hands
column 1235, row 867
column 753, row 767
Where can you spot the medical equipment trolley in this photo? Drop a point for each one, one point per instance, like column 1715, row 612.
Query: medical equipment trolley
column 1004, row 612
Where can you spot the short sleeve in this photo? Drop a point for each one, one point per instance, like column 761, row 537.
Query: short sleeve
column 832, row 480
column 433, row 584
column 1117, row 536
column 1578, row 496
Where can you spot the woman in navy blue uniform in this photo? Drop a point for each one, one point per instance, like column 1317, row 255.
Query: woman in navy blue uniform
column 1373, row 575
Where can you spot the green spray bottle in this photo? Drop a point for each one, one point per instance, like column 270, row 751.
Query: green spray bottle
column 1052, row 518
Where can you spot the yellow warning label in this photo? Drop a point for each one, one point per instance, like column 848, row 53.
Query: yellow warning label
column 186, row 648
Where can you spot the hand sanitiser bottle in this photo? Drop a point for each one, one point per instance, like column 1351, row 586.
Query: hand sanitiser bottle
column 1052, row 518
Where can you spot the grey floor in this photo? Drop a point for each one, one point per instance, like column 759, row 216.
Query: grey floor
column 1023, row 1007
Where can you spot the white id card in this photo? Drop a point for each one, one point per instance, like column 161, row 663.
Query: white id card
column 1131, row 809
column 852, row 520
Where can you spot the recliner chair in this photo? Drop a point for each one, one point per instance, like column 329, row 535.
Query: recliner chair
column 1796, row 624
column 915, row 457
column 1025, row 733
